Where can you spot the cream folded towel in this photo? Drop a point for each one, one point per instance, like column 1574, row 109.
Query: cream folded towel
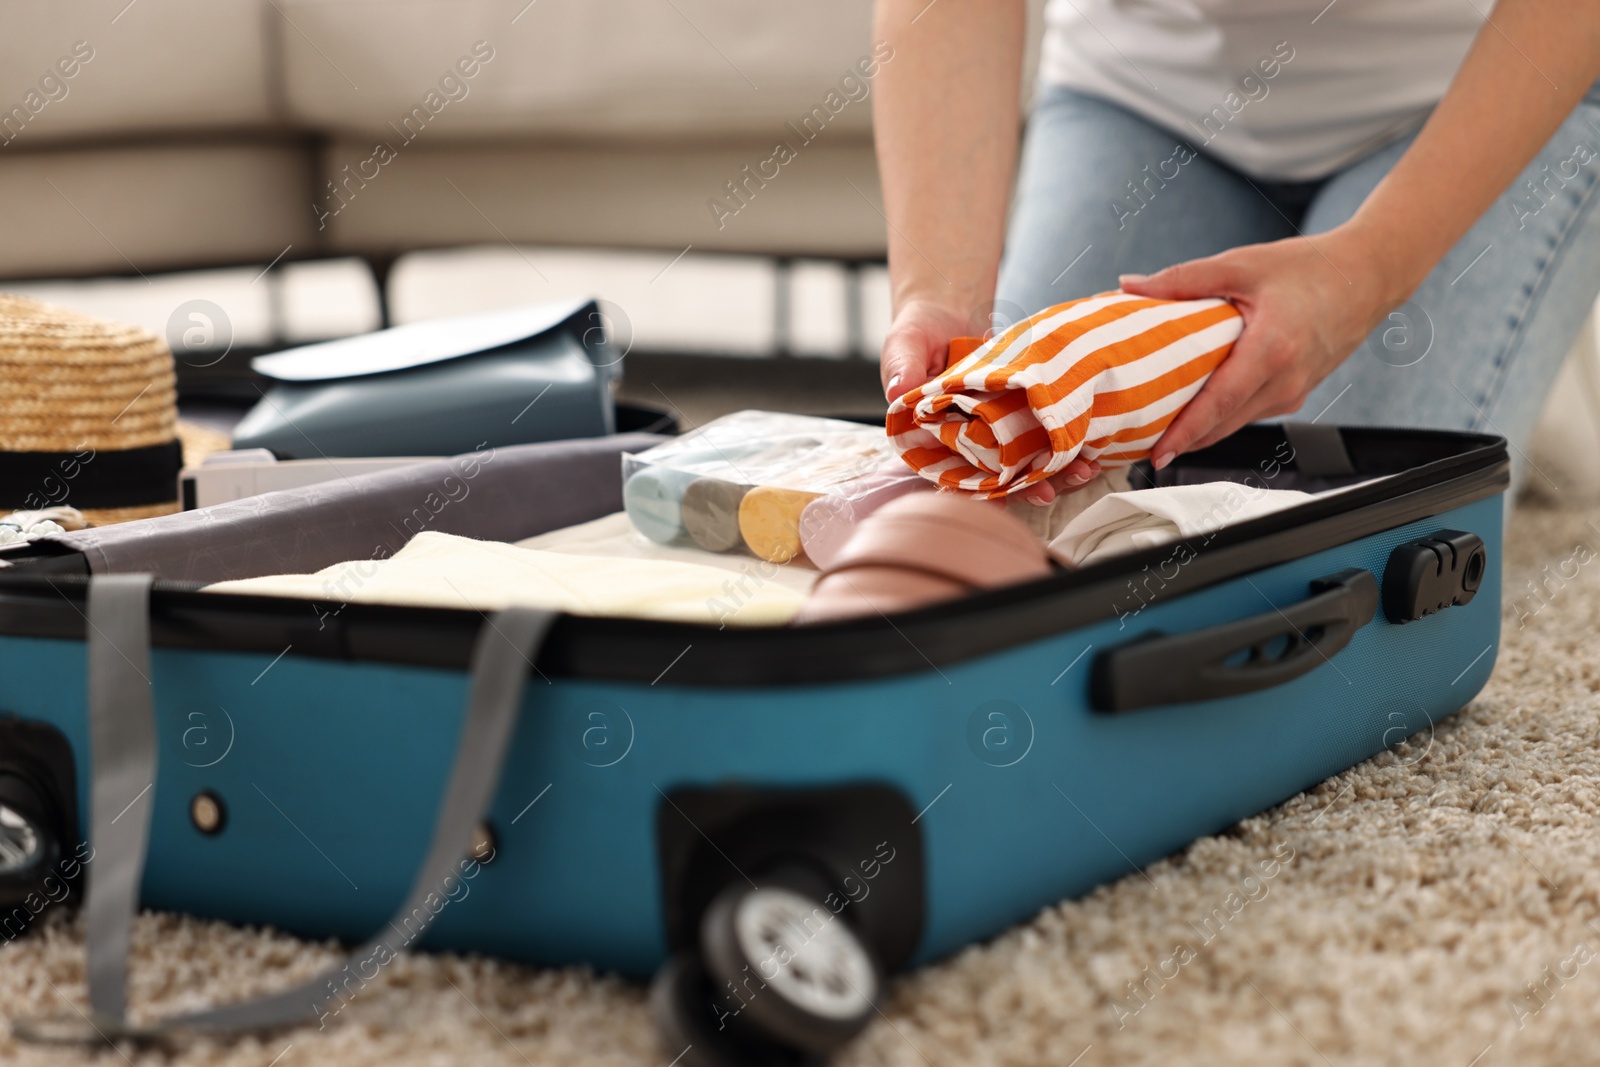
column 445, row 571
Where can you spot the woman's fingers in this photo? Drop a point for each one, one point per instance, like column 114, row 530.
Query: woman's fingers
column 906, row 363
column 917, row 346
column 1229, row 397
column 1243, row 390
column 1270, row 400
column 1244, row 387
column 1230, row 389
column 1040, row 493
column 1257, row 407
column 1078, row 473
column 1194, row 280
column 1074, row 475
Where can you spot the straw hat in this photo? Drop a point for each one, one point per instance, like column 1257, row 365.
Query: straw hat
column 88, row 415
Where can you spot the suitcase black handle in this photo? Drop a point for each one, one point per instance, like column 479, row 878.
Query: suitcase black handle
column 1244, row 656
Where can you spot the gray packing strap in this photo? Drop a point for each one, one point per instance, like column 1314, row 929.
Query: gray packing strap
column 506, row 647
column 1319, row 450
column 122, row 754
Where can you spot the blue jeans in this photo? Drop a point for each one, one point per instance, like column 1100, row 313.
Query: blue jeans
column 1102, row 192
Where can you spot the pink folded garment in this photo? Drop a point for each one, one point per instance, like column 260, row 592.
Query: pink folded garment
column 921, row 549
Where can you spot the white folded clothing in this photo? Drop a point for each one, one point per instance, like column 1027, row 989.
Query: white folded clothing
column 613, row 536
column 442, row 570
column 1047, row 522
column 1126, row 522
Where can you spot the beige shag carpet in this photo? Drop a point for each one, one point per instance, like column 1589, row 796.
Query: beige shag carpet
column 1437, row 909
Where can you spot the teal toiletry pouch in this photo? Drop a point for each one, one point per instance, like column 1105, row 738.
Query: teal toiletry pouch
column 440, row 387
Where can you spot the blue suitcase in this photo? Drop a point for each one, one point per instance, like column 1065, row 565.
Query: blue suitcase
column 770, row 820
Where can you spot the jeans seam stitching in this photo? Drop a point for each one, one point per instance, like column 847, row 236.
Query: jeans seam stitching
column 1535, row 294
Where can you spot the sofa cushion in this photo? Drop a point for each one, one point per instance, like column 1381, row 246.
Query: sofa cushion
column 134, row 68
column 823, row 202
column 635, row 68
column 124, row 210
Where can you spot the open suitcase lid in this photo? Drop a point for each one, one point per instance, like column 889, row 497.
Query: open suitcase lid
column 1408, row 475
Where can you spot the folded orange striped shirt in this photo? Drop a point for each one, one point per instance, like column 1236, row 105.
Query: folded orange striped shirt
column 1099, row 378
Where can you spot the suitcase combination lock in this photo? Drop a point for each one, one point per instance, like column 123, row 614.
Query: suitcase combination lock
column 1427, row 576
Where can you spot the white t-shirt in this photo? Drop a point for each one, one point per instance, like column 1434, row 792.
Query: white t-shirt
column 1283, row 89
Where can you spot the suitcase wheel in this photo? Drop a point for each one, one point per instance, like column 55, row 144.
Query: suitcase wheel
column 29, row 847
column 795, row 968
column 779, row 978
column 698, row 1029
column 38, row 823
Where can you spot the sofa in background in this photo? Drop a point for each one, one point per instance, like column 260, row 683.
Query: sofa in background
column 221, row 132
column 250, row 174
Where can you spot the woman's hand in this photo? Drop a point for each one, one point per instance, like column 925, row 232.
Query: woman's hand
column 918, row 345
column 1308, row 303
